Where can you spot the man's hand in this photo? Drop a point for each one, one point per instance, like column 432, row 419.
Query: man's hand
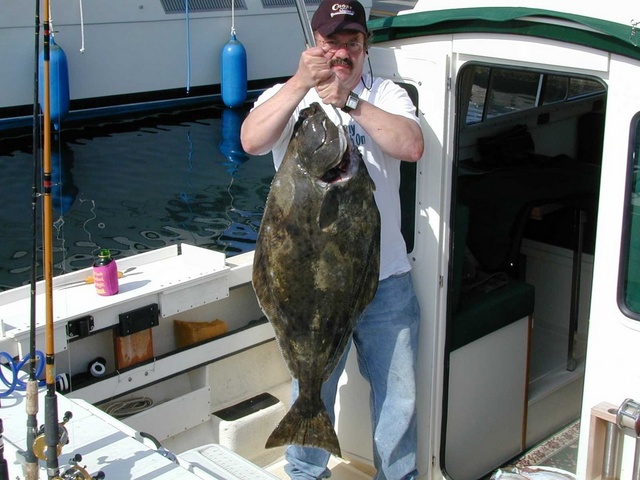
column 314, row 67
column 333, row 92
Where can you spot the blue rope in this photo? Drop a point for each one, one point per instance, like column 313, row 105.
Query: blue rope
column 16, row 366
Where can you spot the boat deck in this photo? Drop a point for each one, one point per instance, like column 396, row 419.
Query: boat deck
column 104, row 443
column 119, row 451
column 340, row 470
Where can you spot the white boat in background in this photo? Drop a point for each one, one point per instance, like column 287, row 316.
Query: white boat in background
column 121, row 52
column 521, row 226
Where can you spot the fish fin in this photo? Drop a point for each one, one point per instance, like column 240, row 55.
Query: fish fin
column 298, row 429
column 329, row 208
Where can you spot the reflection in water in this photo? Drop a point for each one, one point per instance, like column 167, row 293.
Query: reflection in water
column 63, row 190
column 136, row 185
column 230, row 145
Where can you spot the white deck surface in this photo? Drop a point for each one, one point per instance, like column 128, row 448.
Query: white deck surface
column 340, row 470
column 108, row 445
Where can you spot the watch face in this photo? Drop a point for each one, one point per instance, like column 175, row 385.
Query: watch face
column 352, row 101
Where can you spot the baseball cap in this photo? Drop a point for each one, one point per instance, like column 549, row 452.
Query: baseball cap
column 333, row 16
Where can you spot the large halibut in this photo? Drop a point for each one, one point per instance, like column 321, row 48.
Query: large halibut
column 316, row 265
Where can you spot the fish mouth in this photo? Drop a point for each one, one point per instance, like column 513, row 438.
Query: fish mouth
column 341, row 172
column 345, row 167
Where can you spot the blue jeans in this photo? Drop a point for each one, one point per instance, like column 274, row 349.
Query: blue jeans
column 386, row 339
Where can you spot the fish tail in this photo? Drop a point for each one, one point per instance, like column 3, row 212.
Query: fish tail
column 299, row 429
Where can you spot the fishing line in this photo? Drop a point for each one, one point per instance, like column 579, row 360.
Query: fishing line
column 231, row 208
column 81, row 27
column 58, row 224
column 188, row 25
column 233, row 17
column 186, row 198
column 93, row 211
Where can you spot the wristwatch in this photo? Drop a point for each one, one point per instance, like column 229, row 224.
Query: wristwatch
column 352, row 103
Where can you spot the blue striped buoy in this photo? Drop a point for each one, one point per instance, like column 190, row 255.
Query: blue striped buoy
column 233, row 73
column 59, row 81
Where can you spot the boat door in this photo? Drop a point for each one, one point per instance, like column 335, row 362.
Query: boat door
column 544, row 254
column 613, row 355
column 526, row 149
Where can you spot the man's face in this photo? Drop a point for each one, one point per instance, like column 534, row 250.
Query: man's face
column 347, row 54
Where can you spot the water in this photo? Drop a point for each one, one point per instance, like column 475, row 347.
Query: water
column 134, row 185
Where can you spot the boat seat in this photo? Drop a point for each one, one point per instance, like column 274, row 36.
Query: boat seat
column 501, row 201
column 488, row 366
column 480, row 311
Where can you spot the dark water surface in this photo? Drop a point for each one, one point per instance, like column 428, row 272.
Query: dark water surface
column 133, row 185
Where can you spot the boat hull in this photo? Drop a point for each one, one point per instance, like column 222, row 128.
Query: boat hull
column 123, row 52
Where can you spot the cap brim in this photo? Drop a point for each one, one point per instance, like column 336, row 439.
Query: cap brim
column 329, row 29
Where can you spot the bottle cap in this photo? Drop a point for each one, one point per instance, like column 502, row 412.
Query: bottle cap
column 104, row 252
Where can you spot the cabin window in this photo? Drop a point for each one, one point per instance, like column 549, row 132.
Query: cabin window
column 629, row 286
column 495, row 92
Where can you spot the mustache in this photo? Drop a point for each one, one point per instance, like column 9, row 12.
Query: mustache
column 341, row 62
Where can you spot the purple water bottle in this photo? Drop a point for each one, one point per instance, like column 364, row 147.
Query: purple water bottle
column 105, row 273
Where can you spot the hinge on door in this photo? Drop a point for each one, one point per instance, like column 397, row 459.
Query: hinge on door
column 441, row 281
column 449, row 83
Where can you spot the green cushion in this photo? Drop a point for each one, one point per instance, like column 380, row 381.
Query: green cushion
column 480, row 313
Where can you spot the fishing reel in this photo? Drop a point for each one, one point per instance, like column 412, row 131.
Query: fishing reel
column 79, row 472
column 40, row 443
column 74, row 471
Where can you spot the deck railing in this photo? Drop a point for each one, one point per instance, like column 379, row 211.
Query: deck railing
column 611, row 427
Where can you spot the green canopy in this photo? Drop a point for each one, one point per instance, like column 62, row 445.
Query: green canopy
column 590, row 32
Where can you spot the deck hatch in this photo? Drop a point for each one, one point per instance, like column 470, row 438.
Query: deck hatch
column 179, row 6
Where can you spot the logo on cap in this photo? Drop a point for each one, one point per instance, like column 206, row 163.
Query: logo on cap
column 342, row 10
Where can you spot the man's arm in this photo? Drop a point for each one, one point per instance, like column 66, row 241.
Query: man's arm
column 265, row 123
column 397, row 136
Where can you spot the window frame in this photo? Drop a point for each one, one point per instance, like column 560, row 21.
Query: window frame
column 633, row 166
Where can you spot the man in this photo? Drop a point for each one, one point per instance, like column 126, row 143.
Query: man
column 380, row 118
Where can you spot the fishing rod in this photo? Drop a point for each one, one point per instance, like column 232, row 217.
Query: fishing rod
column 51, row 429
column 48, row 445
column 309, row 38
column 305, row 23
column 4, row 468
column 31, row 404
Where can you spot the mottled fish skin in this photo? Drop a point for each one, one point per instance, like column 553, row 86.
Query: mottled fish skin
column 316, row 265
